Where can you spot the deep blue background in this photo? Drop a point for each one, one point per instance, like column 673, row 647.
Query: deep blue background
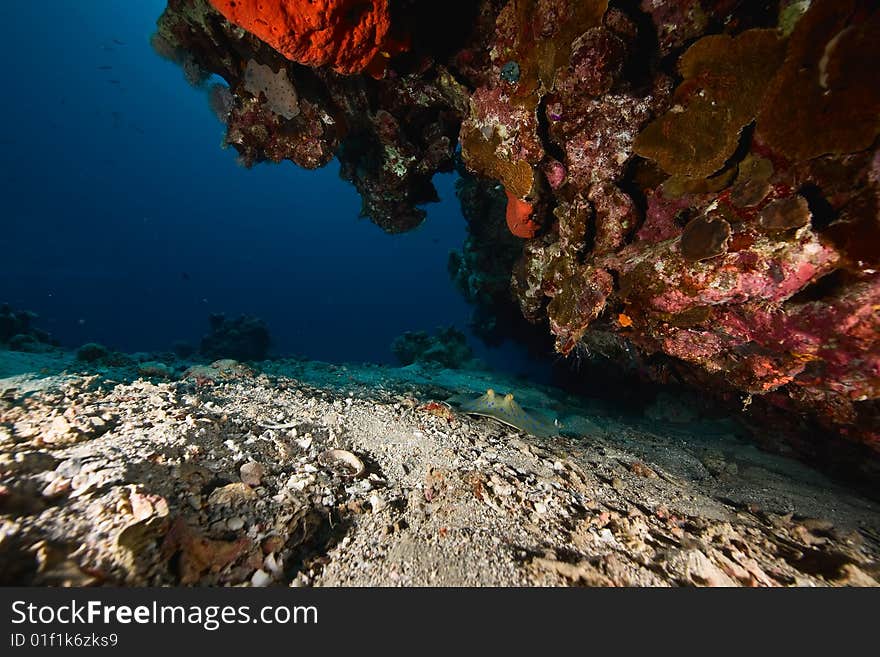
column 115, row 185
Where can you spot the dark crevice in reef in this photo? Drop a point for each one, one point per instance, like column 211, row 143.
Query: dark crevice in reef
column 750, row 14
column 638, row 69
column 553, row 149
column 742, row 149
column 603, row 131
column 822, row 213
column 629, row 184
column 826, row 287
column 437, row 30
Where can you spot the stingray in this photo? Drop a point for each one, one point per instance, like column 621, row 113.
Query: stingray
column 504, row 409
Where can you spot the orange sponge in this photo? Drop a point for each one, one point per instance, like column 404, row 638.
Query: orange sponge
column 350, row 36
column 519, row 217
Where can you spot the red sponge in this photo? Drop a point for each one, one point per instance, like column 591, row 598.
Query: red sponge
column 350, row 36
column 519, row 217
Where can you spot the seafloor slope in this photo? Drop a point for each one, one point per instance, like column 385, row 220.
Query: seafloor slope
column 688, row 188
column 229, row 476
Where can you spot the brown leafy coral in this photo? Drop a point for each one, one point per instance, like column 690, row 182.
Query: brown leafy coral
column 785, row 214
column 724, row 79
column 826, row 96
column 704, row 238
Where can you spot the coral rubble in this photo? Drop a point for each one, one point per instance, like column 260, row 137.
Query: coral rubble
column 708, row 171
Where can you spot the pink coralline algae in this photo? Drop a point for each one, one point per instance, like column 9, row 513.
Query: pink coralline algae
column 662, row 279
column 555, row 173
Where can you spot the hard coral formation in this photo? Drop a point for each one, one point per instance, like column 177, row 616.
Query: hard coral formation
column 707, row 170
column 447, row 348
column 502, row 135
column 500, row 141
column 243, row 338
column 18, row 334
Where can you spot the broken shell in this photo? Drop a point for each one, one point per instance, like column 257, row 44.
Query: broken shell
column 377, row 502
column 252, row 473
column 343, row 463
column 260, row 579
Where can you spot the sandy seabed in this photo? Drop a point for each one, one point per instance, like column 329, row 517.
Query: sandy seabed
column 301, row 473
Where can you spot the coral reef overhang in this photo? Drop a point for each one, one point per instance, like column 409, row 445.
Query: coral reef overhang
column 690, row 188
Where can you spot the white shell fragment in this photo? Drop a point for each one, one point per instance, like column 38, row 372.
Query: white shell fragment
column 343, row 462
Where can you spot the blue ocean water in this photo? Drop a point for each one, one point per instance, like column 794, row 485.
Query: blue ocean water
column 125, row 223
